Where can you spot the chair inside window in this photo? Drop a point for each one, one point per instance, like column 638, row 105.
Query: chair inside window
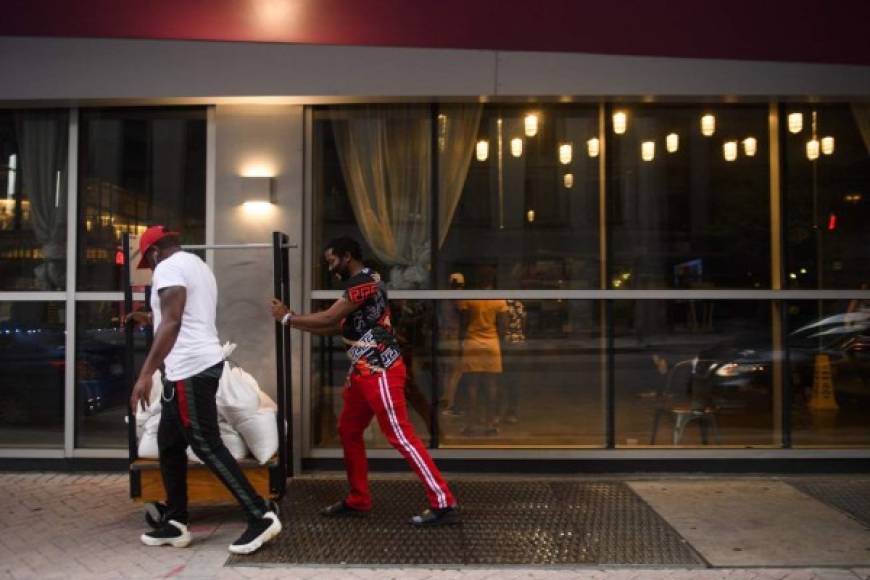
column 684, row 397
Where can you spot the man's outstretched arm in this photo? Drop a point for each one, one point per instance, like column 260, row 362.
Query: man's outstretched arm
column 327, row 322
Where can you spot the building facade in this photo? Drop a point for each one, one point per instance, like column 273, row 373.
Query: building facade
column 678, row 241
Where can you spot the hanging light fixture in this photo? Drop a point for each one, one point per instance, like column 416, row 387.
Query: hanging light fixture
column 672, row 143
column 482, row 150
column 620, row 122
column 750, row 146
column 442, row 131
column 516, row 147
column 530, row 215
column 708, row 125
column 568, row 180
column 729, row 149
column 531, row 125
column 593, row 147
column 813, row 149
column 795, row 122
column 566, row 153
column 827, row 145
column 648, row 150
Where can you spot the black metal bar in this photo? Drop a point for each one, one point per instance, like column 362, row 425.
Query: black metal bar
column 435, row 277
column 782, row 311
column 607, row 312
column 288, row 363
column 282, row 342
column 129, row 359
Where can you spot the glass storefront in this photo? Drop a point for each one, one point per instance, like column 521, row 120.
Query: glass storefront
column 718, row 360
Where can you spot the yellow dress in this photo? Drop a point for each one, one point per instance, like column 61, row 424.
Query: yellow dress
column 481, row 352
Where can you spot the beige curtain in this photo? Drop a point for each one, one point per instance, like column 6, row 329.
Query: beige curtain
column 457, row 135
column 385, row 156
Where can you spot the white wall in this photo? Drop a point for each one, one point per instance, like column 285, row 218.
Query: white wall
column 256, row 140
column 80, row 70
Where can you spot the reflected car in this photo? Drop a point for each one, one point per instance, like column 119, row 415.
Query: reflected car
column 32, row 363
column 738, row 375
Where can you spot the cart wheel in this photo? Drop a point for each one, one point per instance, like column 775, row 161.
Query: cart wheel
column 154, row 514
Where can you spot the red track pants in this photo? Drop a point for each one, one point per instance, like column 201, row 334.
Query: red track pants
column 382, row 395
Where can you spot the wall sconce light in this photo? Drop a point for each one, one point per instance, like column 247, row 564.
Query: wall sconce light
column 827, row 145
column 750, row 146
column 593, row 147
column 648, row 150
column 620, row 122
column 442, row 131
column 813, row 149
column 672, row 143
column 531, row 125
column 566, row 153
column 482, row 150
column 516, row 147
column 708, row 125
column 795, row 122
column 530, row 215
column 258, row 193
column 729, row 149
column 568, row 180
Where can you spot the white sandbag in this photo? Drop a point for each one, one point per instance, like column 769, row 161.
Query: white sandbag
column 266, row 402
column 260, row 432
column 237, row 395
column 148, row 445
column 228, row 348
column 231, row 439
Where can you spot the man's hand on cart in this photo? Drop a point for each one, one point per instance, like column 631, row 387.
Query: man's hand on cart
column 139, row 317
column 141, row 394
column 279, row 311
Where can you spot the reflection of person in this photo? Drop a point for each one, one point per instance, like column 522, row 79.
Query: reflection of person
column 184, row 306
column 449, row 346
column 375, row 385
column 481, row 359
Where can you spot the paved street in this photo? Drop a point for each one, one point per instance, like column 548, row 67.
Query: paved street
column 72, row 525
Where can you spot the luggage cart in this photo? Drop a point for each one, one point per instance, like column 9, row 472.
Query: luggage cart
column 270, row 480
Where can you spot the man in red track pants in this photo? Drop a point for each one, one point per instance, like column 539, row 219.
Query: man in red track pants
column 375, row 385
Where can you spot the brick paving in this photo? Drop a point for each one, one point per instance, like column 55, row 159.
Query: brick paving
column 83, row 525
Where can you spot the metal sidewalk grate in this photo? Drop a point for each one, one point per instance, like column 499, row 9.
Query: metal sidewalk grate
column 504, row 523
column 849, row 495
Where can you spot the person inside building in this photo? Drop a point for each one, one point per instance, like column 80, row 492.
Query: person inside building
column 375, row 384
column 186, row 346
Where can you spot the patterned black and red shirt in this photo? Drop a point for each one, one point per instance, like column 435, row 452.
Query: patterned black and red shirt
column 367, row 331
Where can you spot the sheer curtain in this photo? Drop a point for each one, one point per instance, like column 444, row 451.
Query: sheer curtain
column 42, row 143
column 385, row 156
column 861, row 112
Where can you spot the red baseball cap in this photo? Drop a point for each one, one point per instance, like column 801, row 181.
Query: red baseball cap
column 149, row 237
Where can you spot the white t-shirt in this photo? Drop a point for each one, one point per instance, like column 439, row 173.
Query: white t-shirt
column 197, row 347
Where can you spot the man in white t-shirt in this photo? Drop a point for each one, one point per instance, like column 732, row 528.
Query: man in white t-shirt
column 184, row 306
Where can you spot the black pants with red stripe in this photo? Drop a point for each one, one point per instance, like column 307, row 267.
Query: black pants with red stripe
column 189, row 417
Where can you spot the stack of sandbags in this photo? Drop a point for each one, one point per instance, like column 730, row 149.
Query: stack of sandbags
column 250, row 411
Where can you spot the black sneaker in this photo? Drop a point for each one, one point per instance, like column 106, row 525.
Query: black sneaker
column 340, row 509
column 171, row 533
column 257, row 534
column 155, row 514
column 437, row 517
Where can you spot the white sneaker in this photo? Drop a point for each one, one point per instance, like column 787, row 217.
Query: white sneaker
column 172, row 533
column 257, row 534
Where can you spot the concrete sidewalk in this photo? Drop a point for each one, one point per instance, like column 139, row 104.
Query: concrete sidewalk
column 71, row 525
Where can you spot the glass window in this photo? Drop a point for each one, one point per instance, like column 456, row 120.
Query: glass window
column 694, row 372
column 826, row 207
column 521, row 201
column 101, row 386
column 828, row 347
column 31, row 374
column 33, row 196
column 509, row 373
column 372, row 181
column 137, row 167
column 689, row 197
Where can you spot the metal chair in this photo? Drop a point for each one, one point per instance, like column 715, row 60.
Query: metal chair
column 685, row 409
